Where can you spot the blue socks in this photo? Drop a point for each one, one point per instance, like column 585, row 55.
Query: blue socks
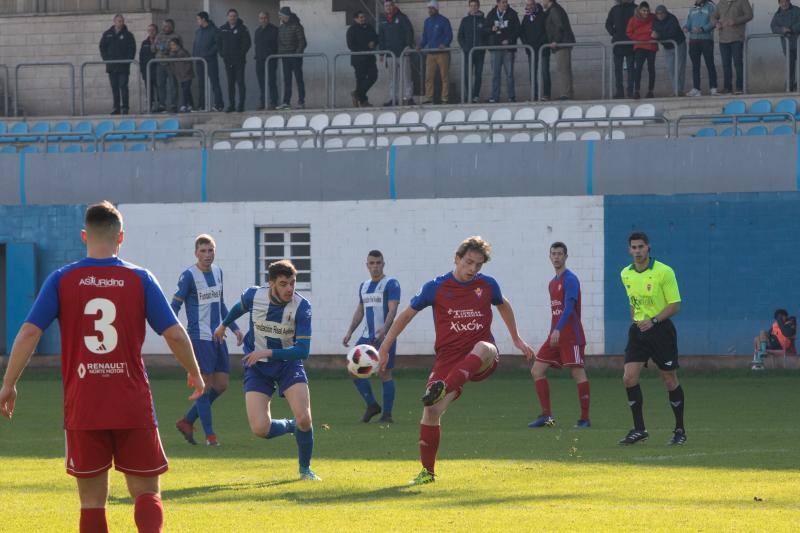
column 305, row 445
column 365, row 390
column 388, row 397
column 202, row 409
column 280, row 427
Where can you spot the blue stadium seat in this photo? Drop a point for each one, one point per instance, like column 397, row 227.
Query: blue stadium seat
column 104, row 127
column 115, row 147
column 62, row 127
column 758, row 107
column 757, row 131
column 169, row 124
column 39, row 127
column 123, row 127
column 145, row 125
column 52, row 149
column 706, row 132
column 138, row 147
column 728, row 132
column 783, row 130
column 90, row 148
column 30, row 149
column 72, row 149
column 734, row 107
column 8, row 150
column 784, row 106
column 16, row 129
column 84, row 127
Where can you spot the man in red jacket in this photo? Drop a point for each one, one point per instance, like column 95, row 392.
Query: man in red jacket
column 640, row 28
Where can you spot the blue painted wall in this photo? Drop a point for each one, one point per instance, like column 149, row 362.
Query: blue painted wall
column 55, row 231
column 735, row 256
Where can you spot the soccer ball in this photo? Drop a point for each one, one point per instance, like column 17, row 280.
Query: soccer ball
column 362, row 360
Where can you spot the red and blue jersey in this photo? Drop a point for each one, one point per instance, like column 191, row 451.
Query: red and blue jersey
column 462, row 312
column 102, row 306
column 565, row 304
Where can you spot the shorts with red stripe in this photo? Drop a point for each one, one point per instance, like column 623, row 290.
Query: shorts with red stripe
column 133, row 451
column 569, row 355
column 440, row 371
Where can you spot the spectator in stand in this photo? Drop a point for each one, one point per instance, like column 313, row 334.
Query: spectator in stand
column 117, row 44
column 640, row 29
column 146, row 53
column 667, row 28
column 183, row 72
column 779, row 339
column 395, row 33
column 167, row 84
column 361, row 37
column 532, row 32
column 437, row 33
column 205, row 46
column 730, row 18
column 472, row 32
column 701, row 44
column 292, row 40
column 786, row 22
column 504, row 24
column 266, row 43
column 617, row 28
column 558, row 31
column 233, row 41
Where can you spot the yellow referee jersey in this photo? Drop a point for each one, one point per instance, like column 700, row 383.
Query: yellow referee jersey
column 649, row 292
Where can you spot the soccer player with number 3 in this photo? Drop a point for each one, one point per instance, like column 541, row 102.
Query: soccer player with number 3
column 102, row 303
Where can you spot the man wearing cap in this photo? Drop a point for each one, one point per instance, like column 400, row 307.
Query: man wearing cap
column 667, row 28
column 436, row 34
column 292, row 40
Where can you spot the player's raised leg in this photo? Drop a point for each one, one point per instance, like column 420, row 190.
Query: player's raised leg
column 260, row 419
column 299, row 400
column 481, row 357
column 539, row 373
column 676, row 401
column 93, row 493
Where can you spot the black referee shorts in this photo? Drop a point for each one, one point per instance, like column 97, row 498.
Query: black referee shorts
column 660, row 343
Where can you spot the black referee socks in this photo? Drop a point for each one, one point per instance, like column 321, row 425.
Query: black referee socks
column 676, row 401
column 635, row 401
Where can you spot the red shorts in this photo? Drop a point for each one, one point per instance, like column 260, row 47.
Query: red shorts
column 569, row 355
column 440, row 372
column 134, row 451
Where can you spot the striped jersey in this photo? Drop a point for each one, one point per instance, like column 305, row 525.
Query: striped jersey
column 205, row 305
column 375, row 297
column 274, row 326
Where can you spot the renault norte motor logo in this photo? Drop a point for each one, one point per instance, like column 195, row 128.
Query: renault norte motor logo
column 81, row 371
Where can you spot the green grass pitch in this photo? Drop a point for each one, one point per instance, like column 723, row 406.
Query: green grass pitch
column 738, row 471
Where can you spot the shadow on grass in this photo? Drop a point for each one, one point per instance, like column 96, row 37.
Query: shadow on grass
column 189, row 493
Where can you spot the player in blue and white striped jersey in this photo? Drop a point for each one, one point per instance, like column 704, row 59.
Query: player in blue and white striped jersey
column 200, row 288
column 275, row 346
column 378, row 298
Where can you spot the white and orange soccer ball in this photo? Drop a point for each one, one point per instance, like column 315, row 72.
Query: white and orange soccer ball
column 362, row 360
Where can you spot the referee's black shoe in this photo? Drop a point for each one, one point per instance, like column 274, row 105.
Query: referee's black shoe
column 678, row 438
column 634, row 436
column 371, row 411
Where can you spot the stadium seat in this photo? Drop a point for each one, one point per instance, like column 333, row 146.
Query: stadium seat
column 521, row 137
column 596, row 111
column 8, row 150
column 297, row 121
column 289, row 144
column 734, row 107
column 644, row 111
column 4, row 130
column 169, row 124
column 319, row 122
column 617, row 135
column 380, row 142
column 783, row 130
column 30, row 149
column 620, row 111
column 124, row 127
column 84, row 127
column 145, row 125
column 39, row 127
column 787, row 105
column 250, row 123
column 448, row 139
column 363, row 119
column 757, row 131
column 102, row 128
column 401, row 141
column 498, row 138
column 72, row 149
column 244, row 145
column 333, row 143
column 573, row 111
column 422, row 140
column 16, row 129
column 273, row 122
column 269, row 144
column 728, row 132
column 221, row 145
column 549, row 115
column 342, row 119
column 566, row 136
column 524, row 113
column 432, row 119
column 472, row 138
column 591, row 136
column 706, row 132
column 308, row 144
column 503, row 114
column 478, row 115
column 90, row 148
column 138, row 147
column 455, row 115
column 356, row 142
column 62, row 127
column 115, row 147
column 52, row 149
column 542, row 137
column 386, row 119
column 756, row 108
column 409, row 117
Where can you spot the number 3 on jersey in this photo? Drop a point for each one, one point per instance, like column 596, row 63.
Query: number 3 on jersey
column 103, row 325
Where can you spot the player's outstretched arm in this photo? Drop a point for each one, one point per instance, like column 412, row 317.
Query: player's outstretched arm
column 24, row 345
column 181, row 347
column 400, row 323
column 507, row 314
column 358, row 316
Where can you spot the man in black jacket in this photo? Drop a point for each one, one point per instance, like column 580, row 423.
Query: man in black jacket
column 532, row 32
column 473, row 31
column 395, row 33
column 117, row 44
column 234, row 42
column 361, row 37
column 666, row 27
column 617, row 26
column 266, row 44
column 205, row 46
column 504, row 28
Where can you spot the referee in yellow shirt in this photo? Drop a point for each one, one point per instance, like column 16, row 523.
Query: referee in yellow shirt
column 654, row 298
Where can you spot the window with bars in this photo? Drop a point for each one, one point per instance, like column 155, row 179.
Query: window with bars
column 285, row 243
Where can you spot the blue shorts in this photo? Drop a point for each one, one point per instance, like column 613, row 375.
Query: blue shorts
column 377, row 346
column 264, row 377
column 211, row 356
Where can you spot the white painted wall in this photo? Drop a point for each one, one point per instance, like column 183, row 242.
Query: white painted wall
column 417, row 237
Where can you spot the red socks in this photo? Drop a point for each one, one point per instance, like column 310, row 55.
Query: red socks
column 460, row 374
column 583, row 398
column 428, row 445
column 543, row 392
column 148, row 513
column 93, row 521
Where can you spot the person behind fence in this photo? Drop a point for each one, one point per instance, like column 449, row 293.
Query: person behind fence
column 559, row 30
column 667, row 28
column 395, row 33
column 504, row 24
column 730, row 18
column 701, row 44
column 473, row 31
column 292, row 40
column 184, row 74
column 167, row 85
column 233, row 41
column 786, row 22
column 361, row 37
column 205, row 46
column 265, row 39
column 779, row 338
column 118, row 44
column 146, row 53
column 437, row 33
column 533, row 33
column 640, row 29
column 617, row 28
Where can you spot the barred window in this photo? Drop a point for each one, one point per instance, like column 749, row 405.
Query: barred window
column 285, row 243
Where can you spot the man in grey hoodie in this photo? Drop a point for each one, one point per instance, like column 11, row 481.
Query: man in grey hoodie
column 205, row 46
column 167, row 84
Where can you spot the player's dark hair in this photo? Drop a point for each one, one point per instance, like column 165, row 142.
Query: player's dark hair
column 202, row 239
column 559, row 244
column 375, row 253
column 478, row 244
column 103, row 217
column 780, row 312
column 284, row 268
column 638, row 236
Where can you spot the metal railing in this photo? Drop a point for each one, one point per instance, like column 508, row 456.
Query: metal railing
column 304, row 55
column 6, row 96
column 788, row 59
column 490, row 126
column 376, row 130
column 193, row 60
column 736, row 119
column 423, row 71
column 20, row 66
column 262, row 134
column 585, row 44
column 497, row 48
column 610, row 123
column 109, row 62
column 651, row 41
column 154, row 136
column 365, row 53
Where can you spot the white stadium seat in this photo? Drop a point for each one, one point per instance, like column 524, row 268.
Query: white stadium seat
column 549, row 115
column 595, row 111
column 356, row 142
column 540, row 137
column 472, row 138
column 308, row 143
column 566, row 136
column 432, row 119
column 501, row 114
column 222, row 145
column 335, row 142
column 244, row 145
column 591, row 136
column 387, row 119
column 319, row 122
column 521, row 138
column 363, row 119
column 478, row 115
column 498, row 138
column 275, row 121
column 620, row 111
column 401, row 141
column 288, row 144
column 644, row 110
column 617, row 135
column 448, row 139
column 269, row 144
column 422, row 140
column 573, row 111
column 252, row 123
